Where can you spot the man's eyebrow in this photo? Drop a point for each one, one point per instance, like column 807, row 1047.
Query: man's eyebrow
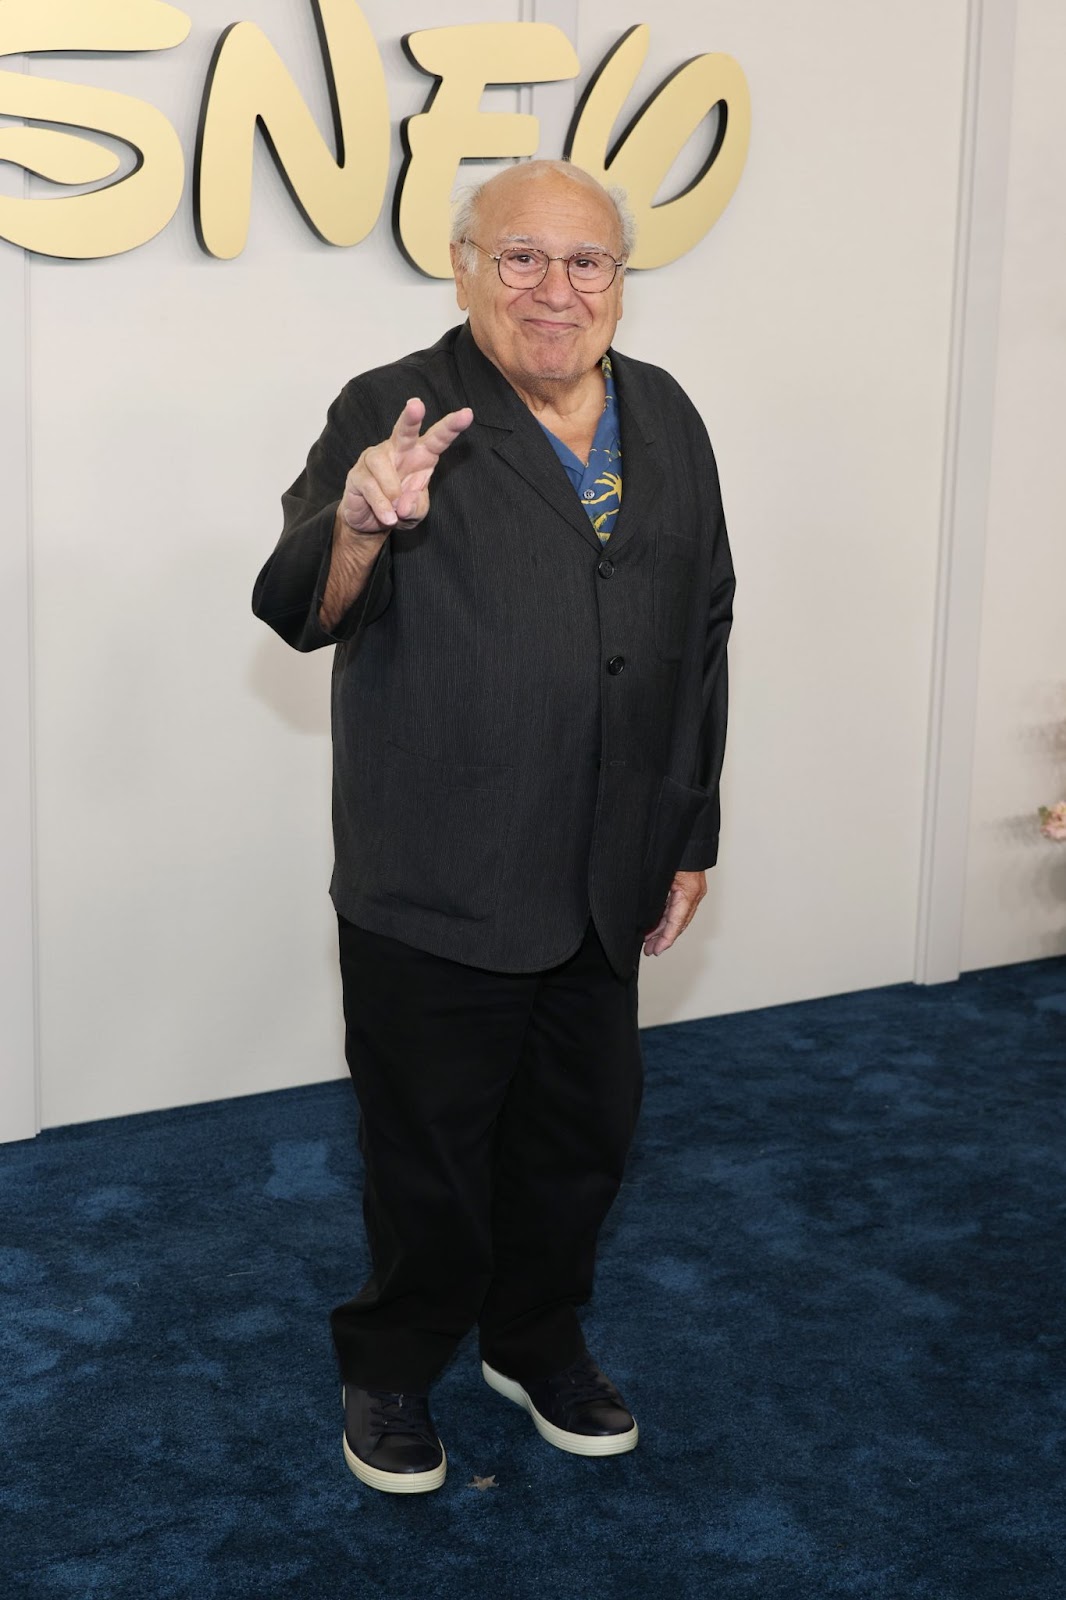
column 588, row 244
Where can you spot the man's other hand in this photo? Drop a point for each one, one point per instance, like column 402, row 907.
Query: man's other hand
column 389, row 485
column 686, row 892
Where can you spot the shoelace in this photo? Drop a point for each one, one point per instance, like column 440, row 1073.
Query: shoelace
column 401, row 1413
column 582, row 1383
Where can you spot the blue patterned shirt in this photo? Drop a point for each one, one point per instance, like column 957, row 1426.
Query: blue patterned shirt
column 599, row 484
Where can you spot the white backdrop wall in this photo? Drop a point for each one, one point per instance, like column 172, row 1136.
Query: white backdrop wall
column 185, row 941
column 1016, row 881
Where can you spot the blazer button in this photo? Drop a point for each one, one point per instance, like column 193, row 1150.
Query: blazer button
column 616, row 665
column 605, row 568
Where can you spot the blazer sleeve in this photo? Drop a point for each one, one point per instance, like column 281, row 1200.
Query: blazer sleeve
column 288, row 591
column 701, row 850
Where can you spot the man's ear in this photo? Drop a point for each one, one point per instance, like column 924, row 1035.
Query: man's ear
column 460, row 277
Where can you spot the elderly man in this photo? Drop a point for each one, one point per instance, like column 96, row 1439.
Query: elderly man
column 515, row 540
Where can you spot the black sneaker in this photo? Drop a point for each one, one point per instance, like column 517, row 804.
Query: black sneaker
column 390, row 1442
column 578, row 1410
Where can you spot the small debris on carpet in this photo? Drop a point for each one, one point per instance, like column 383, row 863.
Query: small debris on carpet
column 483, row 1483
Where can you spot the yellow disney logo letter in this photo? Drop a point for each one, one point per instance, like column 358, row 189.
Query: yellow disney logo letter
column 340, row 196
column 465, row 59
column 651, row 143
column 130, row 211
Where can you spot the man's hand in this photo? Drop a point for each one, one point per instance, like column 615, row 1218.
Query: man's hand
column 389, row 485
column 686, row 892
column 388, row 488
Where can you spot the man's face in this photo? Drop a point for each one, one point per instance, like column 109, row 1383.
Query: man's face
column 551, row 333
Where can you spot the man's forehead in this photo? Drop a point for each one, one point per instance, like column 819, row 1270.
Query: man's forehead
column 525, row 209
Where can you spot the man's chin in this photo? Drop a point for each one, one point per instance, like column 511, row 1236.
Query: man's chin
column 553, row 366
column 552, row 354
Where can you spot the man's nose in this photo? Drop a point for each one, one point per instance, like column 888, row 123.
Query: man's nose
column 555, row 288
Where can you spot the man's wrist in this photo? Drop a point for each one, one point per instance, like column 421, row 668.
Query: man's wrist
column 343, row 530
column 351, row 562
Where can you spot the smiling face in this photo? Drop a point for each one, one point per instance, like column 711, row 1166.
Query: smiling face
column 550, row 336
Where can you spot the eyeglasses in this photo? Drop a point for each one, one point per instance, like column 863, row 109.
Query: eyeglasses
column 589, row 271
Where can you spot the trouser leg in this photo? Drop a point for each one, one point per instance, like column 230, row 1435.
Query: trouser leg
column 431, row 1047
column 561, row 1145
column 497, row 1111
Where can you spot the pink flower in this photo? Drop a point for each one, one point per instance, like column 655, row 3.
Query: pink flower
column 1053, row 821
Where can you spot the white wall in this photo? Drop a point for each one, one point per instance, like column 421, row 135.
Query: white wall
column 186, row 944
column 1016, row 881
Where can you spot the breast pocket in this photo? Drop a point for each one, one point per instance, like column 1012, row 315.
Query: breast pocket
column 442, row 834
column 675, row 568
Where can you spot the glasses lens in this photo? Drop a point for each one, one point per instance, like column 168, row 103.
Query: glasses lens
column 523, row 269
column 591, row 271
column 520, row 268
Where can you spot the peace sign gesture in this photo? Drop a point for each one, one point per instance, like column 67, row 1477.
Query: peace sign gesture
column 389, row 485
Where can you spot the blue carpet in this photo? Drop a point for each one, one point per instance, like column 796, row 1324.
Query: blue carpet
column 832, row 1290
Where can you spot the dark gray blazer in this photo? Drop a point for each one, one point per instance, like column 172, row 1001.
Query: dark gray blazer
column 526, row 726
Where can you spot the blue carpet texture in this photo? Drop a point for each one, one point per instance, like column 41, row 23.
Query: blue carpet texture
column 832, row 1290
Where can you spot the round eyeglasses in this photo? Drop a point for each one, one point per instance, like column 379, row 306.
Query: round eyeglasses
column 521, row 267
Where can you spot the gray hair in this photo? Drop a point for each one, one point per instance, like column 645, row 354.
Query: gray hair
column 464, row 216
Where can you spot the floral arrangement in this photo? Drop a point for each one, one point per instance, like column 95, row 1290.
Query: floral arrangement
column 1053, row 821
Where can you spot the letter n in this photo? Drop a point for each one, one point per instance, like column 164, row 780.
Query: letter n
column 340, row 196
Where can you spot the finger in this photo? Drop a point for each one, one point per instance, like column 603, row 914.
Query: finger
column 357, row 515
column 445, row 432
column 412, row 491
column 653, row 935
column 681, row 906
column 418, row 512
column 370, row 492
column 675, row 920
column 405, row 432
column 380, row 464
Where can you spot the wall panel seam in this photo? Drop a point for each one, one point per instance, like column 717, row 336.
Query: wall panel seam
column 31, row 673
column 20, row 1094
column 964, row 494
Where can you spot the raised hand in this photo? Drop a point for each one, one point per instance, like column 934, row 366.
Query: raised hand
column 389, row 485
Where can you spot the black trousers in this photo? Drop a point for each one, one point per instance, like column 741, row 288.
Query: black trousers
column 497, row 1112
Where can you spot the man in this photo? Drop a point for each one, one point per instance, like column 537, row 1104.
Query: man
column 529, row 701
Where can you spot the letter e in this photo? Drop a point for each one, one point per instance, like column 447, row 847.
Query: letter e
column 465, row 60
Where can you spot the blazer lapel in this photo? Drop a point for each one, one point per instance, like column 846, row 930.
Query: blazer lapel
column 519, row 437
column 532, row 457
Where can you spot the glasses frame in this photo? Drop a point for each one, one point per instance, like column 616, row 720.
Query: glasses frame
column 577, row 287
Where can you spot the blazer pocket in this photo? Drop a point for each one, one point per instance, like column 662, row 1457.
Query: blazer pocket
column 442, row 835
column 675, row 565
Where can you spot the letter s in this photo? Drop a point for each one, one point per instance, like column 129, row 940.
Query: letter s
column 108, row 221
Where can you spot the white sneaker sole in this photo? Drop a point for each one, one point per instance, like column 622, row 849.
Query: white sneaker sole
column 395, row 1482
column 577, row 1444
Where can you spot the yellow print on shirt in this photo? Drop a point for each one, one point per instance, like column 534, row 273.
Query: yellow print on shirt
column 611, row 483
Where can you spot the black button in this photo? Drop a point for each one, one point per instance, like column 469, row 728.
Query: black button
column 605, row 568
column 616, row 665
